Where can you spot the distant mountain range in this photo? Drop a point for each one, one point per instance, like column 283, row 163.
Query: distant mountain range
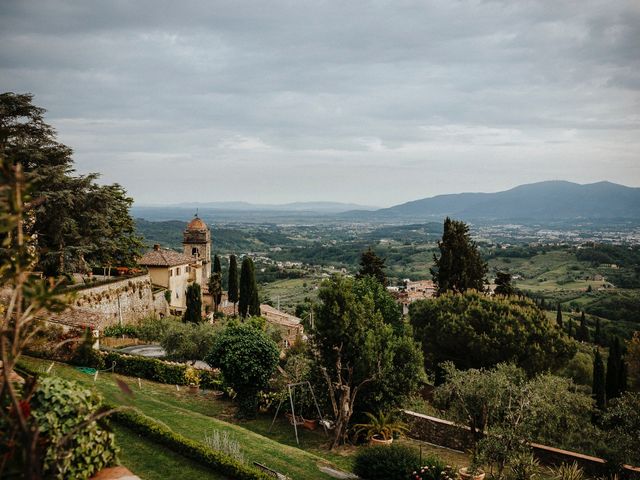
column 539, row 202
column 543, row 201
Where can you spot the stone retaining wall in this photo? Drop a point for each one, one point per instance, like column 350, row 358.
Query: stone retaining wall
column 447, row 434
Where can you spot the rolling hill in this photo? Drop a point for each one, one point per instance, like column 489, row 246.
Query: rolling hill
column 543, row 201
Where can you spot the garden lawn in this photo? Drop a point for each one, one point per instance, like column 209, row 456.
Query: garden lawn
column 195, row 415
column 151, row 461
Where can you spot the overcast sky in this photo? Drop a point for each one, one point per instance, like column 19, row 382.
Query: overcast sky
column 369, row 102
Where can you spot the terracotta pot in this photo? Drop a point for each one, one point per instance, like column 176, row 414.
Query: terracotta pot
column 310, row 424
column 464, row 475
column 379, row 440
column 194, row 388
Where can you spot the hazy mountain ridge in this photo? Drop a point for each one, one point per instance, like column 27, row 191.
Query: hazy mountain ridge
column 544, row 201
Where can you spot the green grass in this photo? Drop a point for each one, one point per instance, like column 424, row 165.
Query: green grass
column 196, row 415
column 151, row 461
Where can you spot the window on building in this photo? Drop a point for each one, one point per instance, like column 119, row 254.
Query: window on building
column 194, row 251
column 178, row 271
column 188, row 269
column 171, row 272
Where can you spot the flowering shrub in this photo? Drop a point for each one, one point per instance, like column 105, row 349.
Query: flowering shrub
column 434, row 469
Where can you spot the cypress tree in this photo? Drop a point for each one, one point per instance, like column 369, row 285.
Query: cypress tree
column 233, row 281
column 597, row 337
column 614, row 370
column 249, row 303
column 570, row 327
column 193, row 313
column 598, row 387
column 217, row 269
column 583, row 333
column 559, row 316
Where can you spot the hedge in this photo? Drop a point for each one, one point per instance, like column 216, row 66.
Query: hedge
column 158, row 370
column 191, row 449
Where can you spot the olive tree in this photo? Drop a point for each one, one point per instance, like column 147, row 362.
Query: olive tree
column 247, row 358
column 506, row 411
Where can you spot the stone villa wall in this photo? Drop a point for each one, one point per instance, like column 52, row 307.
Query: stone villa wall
column 447, row 434
column 125, row 301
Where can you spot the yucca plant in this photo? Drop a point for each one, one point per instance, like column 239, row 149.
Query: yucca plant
column 383, row 425
column 567, row 471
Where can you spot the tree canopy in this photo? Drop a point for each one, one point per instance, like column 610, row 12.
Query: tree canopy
column 459, row 267
column 78, row 223
column 247, row 358
column 232, row 283
column 474, row 330
column 362, row 352
column 372, row 265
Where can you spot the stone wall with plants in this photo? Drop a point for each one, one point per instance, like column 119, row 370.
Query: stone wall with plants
column 126, row 301
column 447, row 434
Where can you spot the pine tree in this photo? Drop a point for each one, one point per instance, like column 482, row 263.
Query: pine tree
column 597, row 337
column 615, row 370
column 233, row 282
column 598, row 388
column 193, row 313
column 249, row 302
column 217, row 295
column 372, row 265
column 583, row 332
column 559, row 316
column 460, row 266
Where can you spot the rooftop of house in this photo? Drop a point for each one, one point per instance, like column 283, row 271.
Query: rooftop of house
column 164, row 257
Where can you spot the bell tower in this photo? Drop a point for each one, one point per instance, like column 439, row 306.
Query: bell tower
column 197, row 244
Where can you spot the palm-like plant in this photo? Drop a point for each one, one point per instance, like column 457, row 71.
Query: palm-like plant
column 383, row 425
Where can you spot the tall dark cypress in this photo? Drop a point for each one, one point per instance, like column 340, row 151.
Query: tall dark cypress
column 614, row 370
column 598, row 387
column 597, row 336
column 559, row 316
column 193, row 313
column 249, row 303
column 233, row 281
column 217, row 268
column 583, row 332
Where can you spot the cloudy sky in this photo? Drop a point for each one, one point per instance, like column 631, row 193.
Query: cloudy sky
column 368, row 102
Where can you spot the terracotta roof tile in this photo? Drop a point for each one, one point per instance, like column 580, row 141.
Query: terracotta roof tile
column 164, row 258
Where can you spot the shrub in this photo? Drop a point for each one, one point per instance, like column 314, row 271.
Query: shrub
column 392, row 462
column 189, row 341
column 434, row 469
column 218, row 461
column 154, row 329
column 158, row 370
column 59, row 408
column 247, row 358
column 119, row 330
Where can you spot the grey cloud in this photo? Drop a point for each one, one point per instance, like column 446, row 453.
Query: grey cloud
column 321, row 100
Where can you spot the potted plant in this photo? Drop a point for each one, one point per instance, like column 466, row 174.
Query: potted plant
column 381, row 428
column 192, row 378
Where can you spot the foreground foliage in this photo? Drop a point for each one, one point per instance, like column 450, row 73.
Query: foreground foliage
column 76, row 445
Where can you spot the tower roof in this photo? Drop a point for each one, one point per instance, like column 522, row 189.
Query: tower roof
column 197, row 224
